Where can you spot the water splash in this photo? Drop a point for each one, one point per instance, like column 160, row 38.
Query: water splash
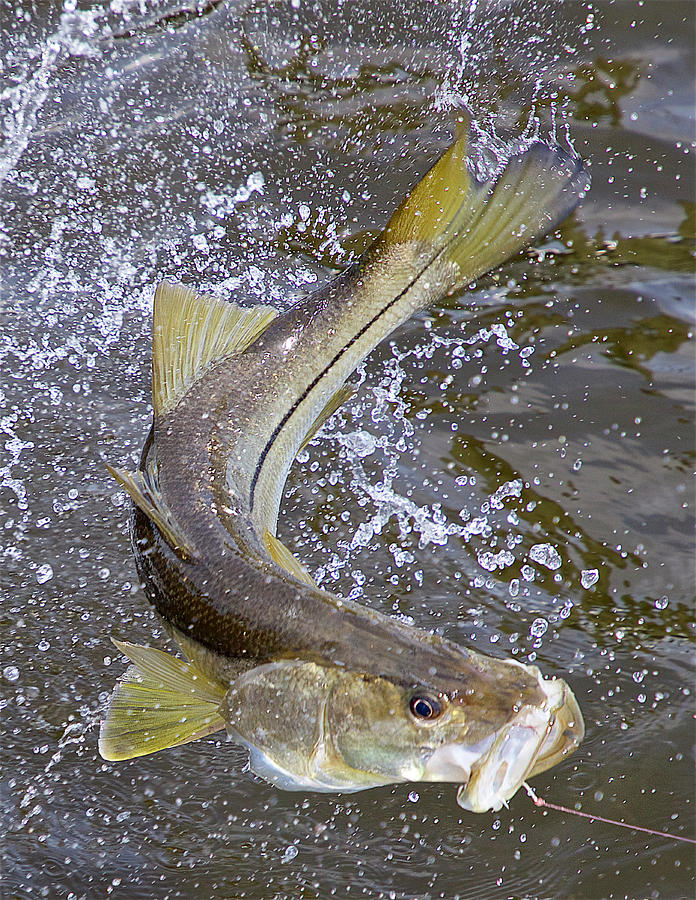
column 529, row 48
column 76, row 35
column 385, row 501
column 72, row 741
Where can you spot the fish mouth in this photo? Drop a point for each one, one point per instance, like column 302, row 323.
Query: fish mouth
column 535, row 740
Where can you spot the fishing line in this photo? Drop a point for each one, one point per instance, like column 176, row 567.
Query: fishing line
column 539, row 801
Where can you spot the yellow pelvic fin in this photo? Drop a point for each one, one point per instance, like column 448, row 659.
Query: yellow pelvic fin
column 337, row 399
column 147, row 497
column 456, row 219
column 190, row 332
column 280, row 554
column 161, row 701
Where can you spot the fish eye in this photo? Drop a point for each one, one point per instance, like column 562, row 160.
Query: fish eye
column 423, row 707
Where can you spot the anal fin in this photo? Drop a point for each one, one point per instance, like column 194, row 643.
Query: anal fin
column 280, row 554
column 345, row 392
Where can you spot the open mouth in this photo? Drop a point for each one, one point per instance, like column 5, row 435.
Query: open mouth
column 536, row 739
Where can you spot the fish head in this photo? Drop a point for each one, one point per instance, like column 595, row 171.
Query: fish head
column 324, row 728
column 490, row 732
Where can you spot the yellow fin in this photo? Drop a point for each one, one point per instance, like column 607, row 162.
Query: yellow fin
column 189, row 332
column 475, row 226
column 147, row 497
column 280, row 554
column 161, row 701
column 337, row 399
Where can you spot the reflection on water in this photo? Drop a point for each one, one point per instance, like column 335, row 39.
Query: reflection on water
column 601, row 87
column 593, row 91
column 515, row 469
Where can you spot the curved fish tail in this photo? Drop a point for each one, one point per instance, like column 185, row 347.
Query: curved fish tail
column 476, row 226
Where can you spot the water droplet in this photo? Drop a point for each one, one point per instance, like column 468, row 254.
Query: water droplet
column 362, row 443
column 414, row 797
column 662, row 603
column 290, row 853
column 44, row 573
column 10, row 673
column 546, row 555
column 43, row 645
column 538, row 627
column 589, row 577
column 566, row 609
column 528, row 573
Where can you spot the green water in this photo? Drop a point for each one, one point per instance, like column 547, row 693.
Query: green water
column 516, row 469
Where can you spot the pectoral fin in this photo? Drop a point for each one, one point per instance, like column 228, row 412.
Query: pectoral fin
column 161, row 701
column 279, row 712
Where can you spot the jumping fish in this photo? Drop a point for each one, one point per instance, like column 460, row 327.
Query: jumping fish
column 326, row 694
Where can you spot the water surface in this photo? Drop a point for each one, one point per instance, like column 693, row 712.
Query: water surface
column 515, row 470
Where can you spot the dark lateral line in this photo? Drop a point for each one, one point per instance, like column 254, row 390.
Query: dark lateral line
column 310, row 388
column 279, row 427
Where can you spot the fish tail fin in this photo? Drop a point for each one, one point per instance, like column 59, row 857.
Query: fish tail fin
column 161, row 701
column 466, row 227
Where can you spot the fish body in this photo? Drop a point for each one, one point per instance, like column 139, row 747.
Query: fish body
column 327, row 694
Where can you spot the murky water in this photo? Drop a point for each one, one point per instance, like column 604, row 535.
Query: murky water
column 516, row 469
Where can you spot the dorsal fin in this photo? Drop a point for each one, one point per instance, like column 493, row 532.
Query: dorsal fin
column 337, row 399
column 280, row 554
column 189, row 332
column 147, row 497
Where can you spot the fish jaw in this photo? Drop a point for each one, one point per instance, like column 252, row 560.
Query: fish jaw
column 493, row 770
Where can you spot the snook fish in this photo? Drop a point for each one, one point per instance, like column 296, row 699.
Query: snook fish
column 326, row 694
